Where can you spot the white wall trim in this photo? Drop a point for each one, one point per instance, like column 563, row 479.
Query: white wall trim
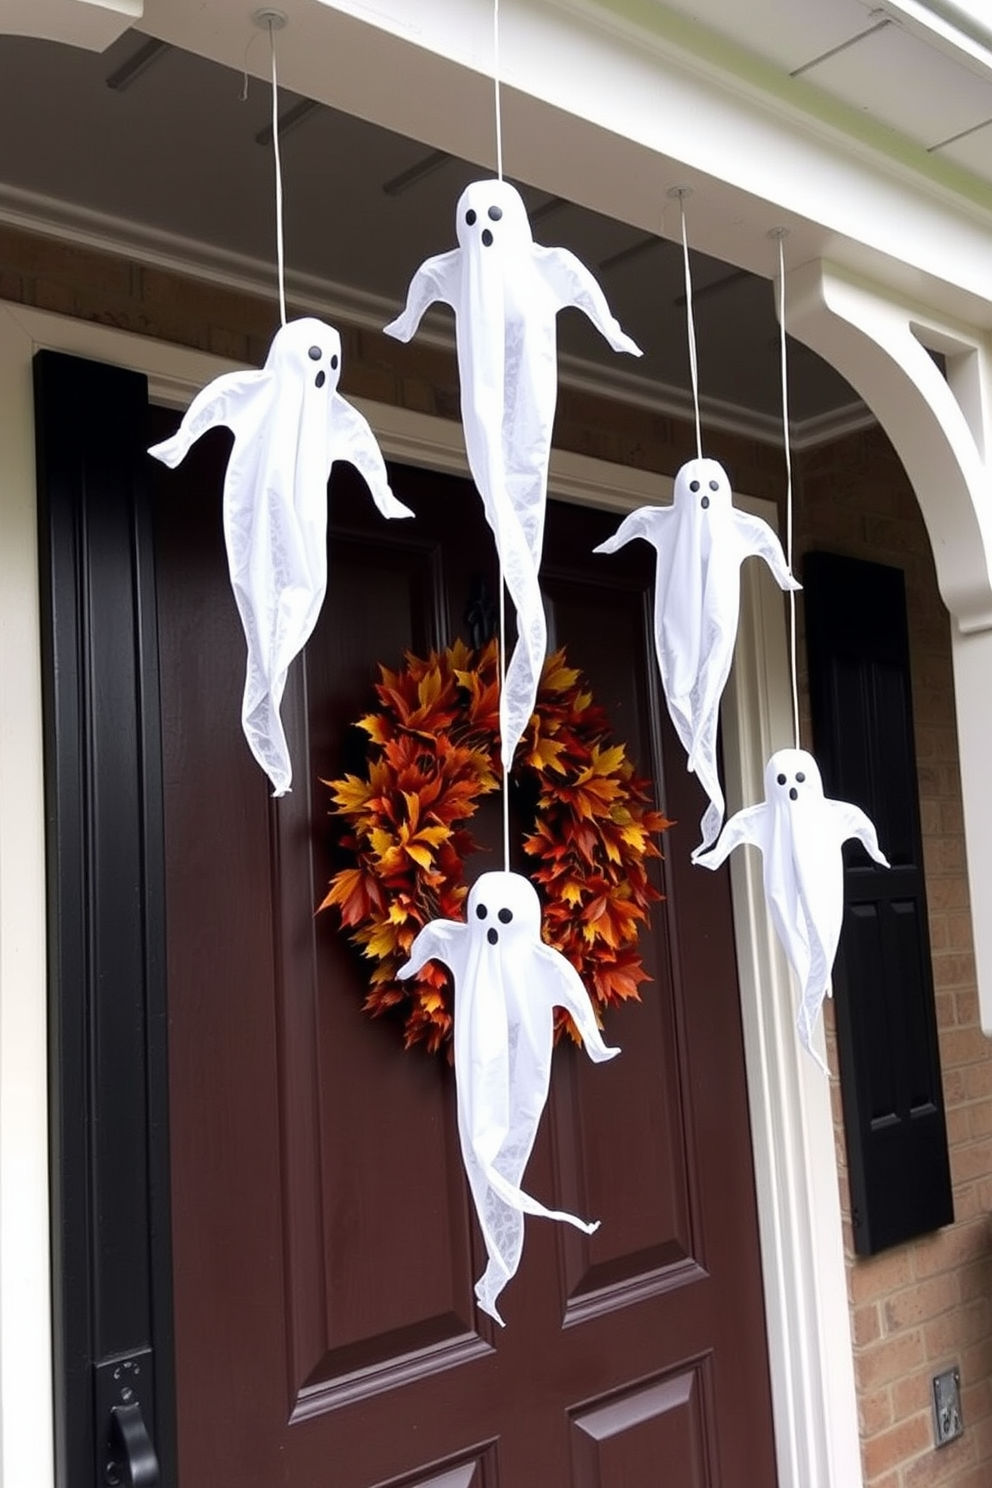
column 809, row 1340
column 26, row 1444
column 812, row 1363
column 312, row 294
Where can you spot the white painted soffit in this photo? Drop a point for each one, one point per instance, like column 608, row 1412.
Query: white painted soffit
column 93, row 24
column 343, row 305
column 611, row 106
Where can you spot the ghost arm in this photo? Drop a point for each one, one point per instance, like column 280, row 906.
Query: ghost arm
column 745, row 826
column 440, row 940
column 436, row 279
column 352, row 440
column 228, row 400
column 645, row 523
column 854, row 823
column 572, row 284
column 758, row 538
column 563, row 985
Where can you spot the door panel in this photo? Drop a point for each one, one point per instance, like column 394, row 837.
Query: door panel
column 325, row 1245
column 665, row 1422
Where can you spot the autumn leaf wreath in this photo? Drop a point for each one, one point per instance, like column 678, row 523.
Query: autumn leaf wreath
column 433, row 754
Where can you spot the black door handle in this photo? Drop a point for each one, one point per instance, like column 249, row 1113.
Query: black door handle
column 131, row 1460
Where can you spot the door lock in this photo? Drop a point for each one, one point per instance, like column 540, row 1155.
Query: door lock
column 125, row 1405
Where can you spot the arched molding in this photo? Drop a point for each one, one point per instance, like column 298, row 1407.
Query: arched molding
column 938, row 419
column 93, row 24
column 937, row 429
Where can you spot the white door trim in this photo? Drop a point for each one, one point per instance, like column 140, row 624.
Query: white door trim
column 809, row 1341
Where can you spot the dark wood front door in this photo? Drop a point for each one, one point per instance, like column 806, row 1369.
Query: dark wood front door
column 323, row 1237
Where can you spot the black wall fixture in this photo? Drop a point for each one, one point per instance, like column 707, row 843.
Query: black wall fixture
column 861, row 700
column 110, row 1183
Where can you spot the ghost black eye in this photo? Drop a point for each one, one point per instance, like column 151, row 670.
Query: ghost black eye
column 693, row 485
column 495, row 213
column 481, row 911
column 315, row 353
column 506, row 915
column 334, row 362
column 714, row 485
column 781, row 779
column 801, row 777
column 470, row 217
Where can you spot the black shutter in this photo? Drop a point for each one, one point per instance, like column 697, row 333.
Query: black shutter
column 858, row 648
column 110, row 1180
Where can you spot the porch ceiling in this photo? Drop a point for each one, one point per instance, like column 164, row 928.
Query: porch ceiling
column 155, row 148
column 920, row 69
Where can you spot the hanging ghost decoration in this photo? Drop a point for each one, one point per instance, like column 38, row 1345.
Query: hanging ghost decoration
column 506, row 292
column 290, row 424
column 800, row 832
column 701, row 541
column 507, row 984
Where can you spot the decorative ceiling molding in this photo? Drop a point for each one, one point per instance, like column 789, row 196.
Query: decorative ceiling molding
column 342, row 304
column 92, row 24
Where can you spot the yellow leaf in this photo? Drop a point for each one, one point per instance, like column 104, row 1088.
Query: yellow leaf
column 375, row 726
column 429, row 690
column 412, row 807
column 434, row 835
column 381, row 841
column 605, row 761
column 546, row 755
column 351, row 793
column 382, row 942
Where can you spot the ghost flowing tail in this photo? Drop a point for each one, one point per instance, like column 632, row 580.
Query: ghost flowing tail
column 501, row 1204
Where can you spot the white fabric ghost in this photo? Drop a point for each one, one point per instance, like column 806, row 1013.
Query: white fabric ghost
column 507, row 984
column 290, row 424
column 701, row 540
column 800, row 832
column 506, row 292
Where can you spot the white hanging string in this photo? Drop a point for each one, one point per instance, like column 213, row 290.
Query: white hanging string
column 244, row 65
column 501, row 643
column 781, row 234
column 499, row 111
column 280, row 252
column 502, row 689
column 682, row 193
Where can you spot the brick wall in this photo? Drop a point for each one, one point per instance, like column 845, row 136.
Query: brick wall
column 922, row 1306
